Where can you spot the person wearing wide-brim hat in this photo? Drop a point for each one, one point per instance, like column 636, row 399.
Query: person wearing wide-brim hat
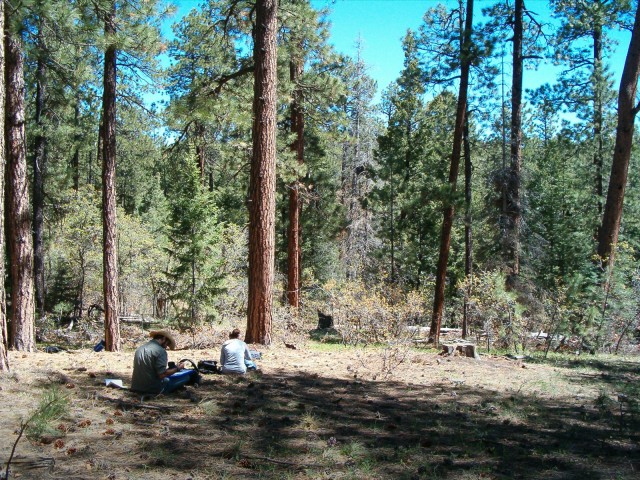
column 150, row 371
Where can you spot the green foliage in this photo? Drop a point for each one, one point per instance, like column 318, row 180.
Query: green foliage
column 141, row 260
column 74, row 252
column 493, row 309
column 182, row 230
column 210, row 110
column 413, row 158
column 560, row 215
column 53, row 405
column 618, row 317
column 193, row 276
column 74, row 256
column 365, row 314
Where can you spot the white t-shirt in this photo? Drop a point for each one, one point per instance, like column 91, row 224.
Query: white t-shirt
column 234, row 353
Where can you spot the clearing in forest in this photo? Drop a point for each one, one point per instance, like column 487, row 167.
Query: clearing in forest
column 332, row 412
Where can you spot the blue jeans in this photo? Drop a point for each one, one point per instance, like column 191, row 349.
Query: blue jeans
column 178, row 379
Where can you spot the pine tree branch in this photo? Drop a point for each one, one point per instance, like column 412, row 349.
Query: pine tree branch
column 224, row 79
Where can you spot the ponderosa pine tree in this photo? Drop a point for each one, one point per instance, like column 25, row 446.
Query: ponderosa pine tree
column 400, row 151
column 20, row 240
column 4, row 361
column 468, row 225
column 141, row 28
column 513, row 22
column 627, row 110
column 193, row 276
column 109, row 228
column 357, row 163
column 582, row 44
column 513, row 204
column 296, row 66
column 447, row 222
column 39, row 165
column 263, row 175
column 312, row 86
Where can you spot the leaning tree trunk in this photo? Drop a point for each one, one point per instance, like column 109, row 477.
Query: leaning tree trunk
column 39, row 164
column 263, row 176
column 447, row 220
column 627, row 110
column 293, row 242
column 4, row 340
column 110, row 253
column 20, row 238
column 514, row 208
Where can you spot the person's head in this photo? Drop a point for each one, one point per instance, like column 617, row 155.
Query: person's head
column 164, row 338
column 235, row 333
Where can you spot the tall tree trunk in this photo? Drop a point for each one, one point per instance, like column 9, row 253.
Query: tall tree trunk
column 4, row 339
column 20, row 238
column 110, row 239
column 468, row 232
column 75, row 161
column 627, row 110
column 39, row 165
column 99, row 148
column 514, row 208
column 598, row 115
column 201, row 152
column 447, row 220
column 194, row 306
column 293, row 244
column 392, row 221
column 263, row 176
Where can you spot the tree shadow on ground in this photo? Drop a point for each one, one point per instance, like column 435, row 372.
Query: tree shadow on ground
column 270, row 424
column 299, row 425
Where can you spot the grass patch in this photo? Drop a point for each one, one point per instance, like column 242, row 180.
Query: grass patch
column 327, row 336
column 210, row 408
column 309, row 422
column 329, row 346
column 53, row 406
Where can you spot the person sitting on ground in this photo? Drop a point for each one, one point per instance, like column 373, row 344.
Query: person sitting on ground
column 235, row 356
column 151, row 374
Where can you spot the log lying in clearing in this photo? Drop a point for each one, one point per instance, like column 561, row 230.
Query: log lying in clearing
column 465, row 349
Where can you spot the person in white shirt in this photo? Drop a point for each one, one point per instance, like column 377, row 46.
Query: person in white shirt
column 235, row 356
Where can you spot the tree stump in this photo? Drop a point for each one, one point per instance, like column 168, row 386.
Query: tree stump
column 465, row 349
column 324, row 321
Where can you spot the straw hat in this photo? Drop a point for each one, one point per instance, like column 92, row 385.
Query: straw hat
column 166, row 334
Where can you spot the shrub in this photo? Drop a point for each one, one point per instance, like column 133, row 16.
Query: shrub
column 371, row 314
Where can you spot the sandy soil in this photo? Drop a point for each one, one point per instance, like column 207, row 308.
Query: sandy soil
column 305, row 414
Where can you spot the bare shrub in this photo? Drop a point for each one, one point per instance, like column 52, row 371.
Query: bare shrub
column 365, row 314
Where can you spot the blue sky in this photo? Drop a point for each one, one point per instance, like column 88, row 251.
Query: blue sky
column 381, row 24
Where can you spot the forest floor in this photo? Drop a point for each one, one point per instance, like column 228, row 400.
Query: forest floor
column 326, row 411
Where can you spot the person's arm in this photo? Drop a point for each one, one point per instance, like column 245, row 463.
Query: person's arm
column 161, row 366
column 223, row 356
column 170, row 371
column 247, row 353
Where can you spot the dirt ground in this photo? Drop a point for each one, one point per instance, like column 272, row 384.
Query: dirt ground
column 330, row 412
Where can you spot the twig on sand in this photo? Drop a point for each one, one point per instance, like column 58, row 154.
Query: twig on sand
column 283, row 462
column 126, row 404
